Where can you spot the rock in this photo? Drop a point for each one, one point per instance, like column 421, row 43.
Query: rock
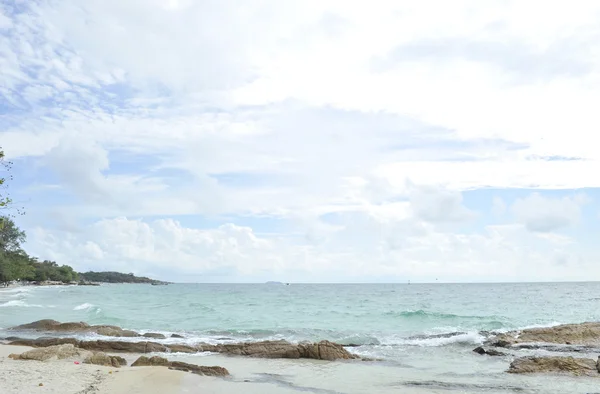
column 100, row 358
column 199, row 369
column 154, row 335
column 182, row 349
column 53, row 325
column 586, row 334
column 156, row 361
column 112, row 331
column 124, row 347
column 490, row 352
column 571, row 365
column 45, row 342
column 323, row 350
column 58, row 352
column 177, row 336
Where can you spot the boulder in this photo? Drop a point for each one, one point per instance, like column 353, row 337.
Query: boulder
column 99, row 358
column 176, row 336
column 156, row 361
column 58, row 352
column 490, row 352
column 154, row 335
column 326, row 350
column 569, row 365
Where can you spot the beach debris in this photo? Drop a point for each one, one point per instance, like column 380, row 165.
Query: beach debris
column 554, row 364
column 58, row 352
column 157, row 361
column 100, row 358
column 41, row 384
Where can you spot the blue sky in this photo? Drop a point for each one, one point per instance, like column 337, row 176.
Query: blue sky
column 306, row 141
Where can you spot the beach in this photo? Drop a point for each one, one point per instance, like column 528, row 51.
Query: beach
column 66, row 377
column 401, row 338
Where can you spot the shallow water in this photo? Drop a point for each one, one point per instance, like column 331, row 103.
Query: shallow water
column 395, row 322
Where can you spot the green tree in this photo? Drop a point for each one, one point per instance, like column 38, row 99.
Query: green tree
column 11, row 237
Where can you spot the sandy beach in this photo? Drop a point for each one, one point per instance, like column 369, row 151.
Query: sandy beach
column 66, row 377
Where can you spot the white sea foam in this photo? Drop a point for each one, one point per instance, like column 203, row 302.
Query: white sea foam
column 21, row 303
column 86, row 306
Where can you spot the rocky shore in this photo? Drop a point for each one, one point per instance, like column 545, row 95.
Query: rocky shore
column 60, row 339
column 583, row 338
column 323, row 350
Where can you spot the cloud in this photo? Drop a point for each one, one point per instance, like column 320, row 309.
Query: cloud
column 320, row 137
column 546, row 214
column 365, row 247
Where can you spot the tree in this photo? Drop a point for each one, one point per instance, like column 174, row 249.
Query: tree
column 11, row 237
column 5, row 201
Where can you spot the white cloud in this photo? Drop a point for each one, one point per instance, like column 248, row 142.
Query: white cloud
column 321, row 114
column 364, row 247
column 545, row 214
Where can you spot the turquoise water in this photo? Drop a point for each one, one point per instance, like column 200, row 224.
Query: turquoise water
column 395, row 322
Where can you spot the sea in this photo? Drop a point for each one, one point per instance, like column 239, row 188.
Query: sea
column 422, row 335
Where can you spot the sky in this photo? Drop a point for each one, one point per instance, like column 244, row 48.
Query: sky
column 306, row 141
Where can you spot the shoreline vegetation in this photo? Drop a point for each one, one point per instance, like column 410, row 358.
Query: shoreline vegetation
column 19, row 268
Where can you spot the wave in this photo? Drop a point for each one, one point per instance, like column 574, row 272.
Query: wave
column 87, row 307
column 23, row 304
column 422, row 314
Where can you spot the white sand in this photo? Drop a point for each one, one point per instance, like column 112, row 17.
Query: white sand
column 66, row 377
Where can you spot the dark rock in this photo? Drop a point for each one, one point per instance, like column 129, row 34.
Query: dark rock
column 177, row 336
column 490, row 352
column 154, row 335
column 570, row 365
column 156, row 361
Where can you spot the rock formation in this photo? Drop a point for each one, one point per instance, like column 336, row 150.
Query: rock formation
column 586, row 334
column 569, row 365
column 180, row 366
column 323, row 350
column 57, row 352
column 104, row 359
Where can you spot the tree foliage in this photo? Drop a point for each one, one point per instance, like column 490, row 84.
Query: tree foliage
column 6, row 203
column 15, row 264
